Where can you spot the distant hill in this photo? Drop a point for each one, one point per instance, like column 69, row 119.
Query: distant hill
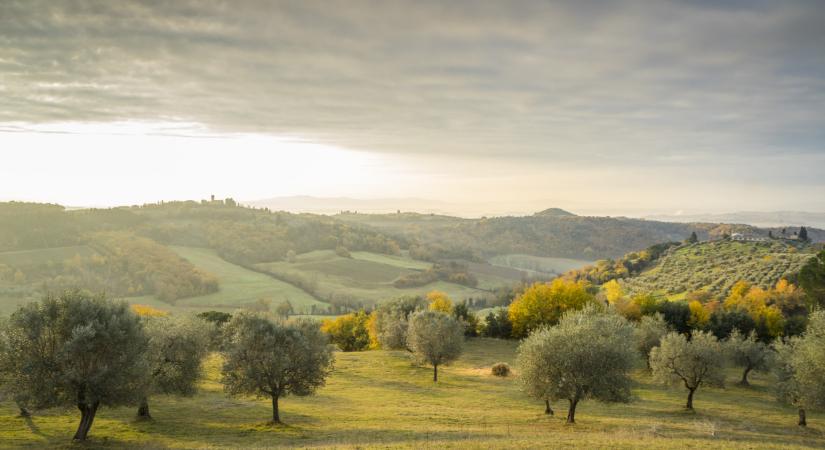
column 550, row 233
column 554, row 212
column 773, row 219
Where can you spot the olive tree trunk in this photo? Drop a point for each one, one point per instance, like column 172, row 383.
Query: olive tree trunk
column 744, row 381
column 802, row 421
column 276, row 416
column 571, row 412
column 547, row 409
column 143, row 409
column 689, row 404
column 435, row 373
column 87, row 416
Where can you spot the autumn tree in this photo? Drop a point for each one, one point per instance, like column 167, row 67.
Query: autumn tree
column 274, row 359
column 543, row 304
column 695, row 362
column 800, row 378
column 177, row 348
column 585, row 356
column 349, row 332
column 435, row 338
column 75, row 349
column 439, row 301
column 748, row 353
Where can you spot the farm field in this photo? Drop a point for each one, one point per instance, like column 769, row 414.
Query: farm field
column 238, row 286
column 365, row 276
column 379, row 399
column 538, row 265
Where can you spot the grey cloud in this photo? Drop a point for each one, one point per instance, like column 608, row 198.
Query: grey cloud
column 638, row 82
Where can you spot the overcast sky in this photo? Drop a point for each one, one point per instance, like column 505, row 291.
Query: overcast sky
column 702, row 106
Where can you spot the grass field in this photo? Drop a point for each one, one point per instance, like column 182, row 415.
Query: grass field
column 380, row 399
column 237, row 286
column 366, row 276
column 538, row 265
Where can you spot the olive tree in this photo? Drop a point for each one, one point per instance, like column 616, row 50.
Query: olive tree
column 748, row 353
column 274, row 359
column 696, row 362
column 585, row 356
column 78, row 350
column 800, row 368
column 177, row 347
column 435, row 338
column 649, row 333
column 392, row 321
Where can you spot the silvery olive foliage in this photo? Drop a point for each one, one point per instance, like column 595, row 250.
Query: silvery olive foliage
column 177, row 348
column 649, row 333
column 275, row 358
column 586, row 355
column 800, row 368
column 435, row 338
column 748, row 353
column 696, row 362
column 75, row 349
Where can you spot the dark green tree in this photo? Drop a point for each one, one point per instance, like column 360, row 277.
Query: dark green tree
column 693, row 238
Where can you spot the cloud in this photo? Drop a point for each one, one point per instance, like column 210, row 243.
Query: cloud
column 665, row 84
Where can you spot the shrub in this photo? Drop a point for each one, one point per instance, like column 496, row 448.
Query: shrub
column 500, row 369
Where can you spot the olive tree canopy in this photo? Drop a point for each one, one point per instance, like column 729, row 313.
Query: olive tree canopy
column 78, row 350
column 748, row 353
column 435, row 338
column 274, row 358
column 699, row 361
column 585, row 356
column 177, row 347
column 800, row 368
column 649, row 333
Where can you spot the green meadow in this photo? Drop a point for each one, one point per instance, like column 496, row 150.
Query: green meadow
column 379, row 399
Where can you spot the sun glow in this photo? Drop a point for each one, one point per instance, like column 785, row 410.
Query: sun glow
column 98, row 164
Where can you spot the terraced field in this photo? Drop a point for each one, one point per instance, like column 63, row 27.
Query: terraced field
column 715, row 266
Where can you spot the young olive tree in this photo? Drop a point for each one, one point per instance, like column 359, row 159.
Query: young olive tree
column 275, row 359
column 435, row 338
column 177, row 347
column 649, row 333
column 585, row 356
column 76, row 350
column 699, row 361
column 749, row 353
column 799, row 368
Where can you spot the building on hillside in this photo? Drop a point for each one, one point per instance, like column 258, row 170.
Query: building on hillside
column 747, row 238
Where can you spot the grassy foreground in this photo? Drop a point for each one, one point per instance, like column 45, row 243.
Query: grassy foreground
column 379, row 399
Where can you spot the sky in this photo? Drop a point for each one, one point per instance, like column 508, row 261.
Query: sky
column 625, row 107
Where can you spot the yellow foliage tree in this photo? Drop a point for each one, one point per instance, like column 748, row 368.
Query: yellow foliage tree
column 613, row 291
column 699, row 315
column 439, row 301
column 543, row 304
column 148, row 311
column 757, row 302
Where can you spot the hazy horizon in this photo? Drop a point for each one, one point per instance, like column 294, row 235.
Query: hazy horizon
column 629, row 109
